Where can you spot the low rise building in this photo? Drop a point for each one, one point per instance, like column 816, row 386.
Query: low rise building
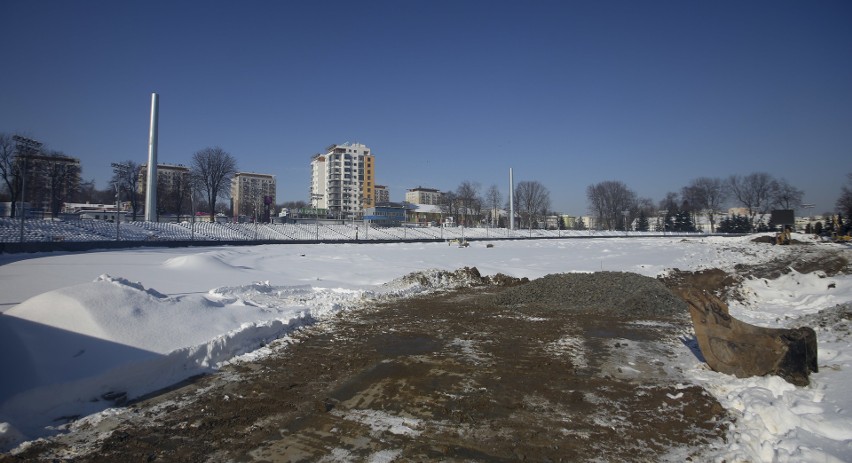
column 422, row 195
column 388, row 214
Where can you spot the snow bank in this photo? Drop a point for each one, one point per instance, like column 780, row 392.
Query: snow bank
column 80, row 349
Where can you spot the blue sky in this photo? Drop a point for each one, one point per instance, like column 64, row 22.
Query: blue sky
column 651, row 93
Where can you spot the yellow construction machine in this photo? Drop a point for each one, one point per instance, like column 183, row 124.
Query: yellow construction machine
column 783, row 237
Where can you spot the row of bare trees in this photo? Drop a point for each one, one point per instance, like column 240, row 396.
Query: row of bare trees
column 208, row 180
column 532, row 202
column 615, row 206
column 50, row 177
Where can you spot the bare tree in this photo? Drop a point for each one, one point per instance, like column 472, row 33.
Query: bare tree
column 643, row 212
column 88, row 192
column 608, row 201
column 212, row 169
column 173, row 193
column 670, row 202
column 125, row 179
column 754, row 192
column 708, row 195
column 293, row 205
column 532, row 200
column 493, row 198
column 669, row 207
column 449, row 204
column 786, row 196
column 467, row 196
column 10, row 170
column 844, row 202
column 58, row 179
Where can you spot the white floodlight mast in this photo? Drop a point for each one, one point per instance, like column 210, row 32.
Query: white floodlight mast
column 151, row 180
column 511, row 200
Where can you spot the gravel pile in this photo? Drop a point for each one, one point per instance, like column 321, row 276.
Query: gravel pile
column 618, row 293
column 836, row 320
column 465, row 277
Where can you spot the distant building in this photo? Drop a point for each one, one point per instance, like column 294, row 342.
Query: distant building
column 169, row 176
column 551, row 222
column 589, row 222
column 382, row 194
column 422, row 195
column 172, row 187
column 388, row 214
column 253, row 195
column 425, row 214
column 343, row 180
column 570, row 222
column 52, row 179
column 92, row 211
column 743, row 211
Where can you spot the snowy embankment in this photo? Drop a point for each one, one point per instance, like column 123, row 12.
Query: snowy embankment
column 81, row 332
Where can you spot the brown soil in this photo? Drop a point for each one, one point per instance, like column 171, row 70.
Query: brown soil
column 444, row 377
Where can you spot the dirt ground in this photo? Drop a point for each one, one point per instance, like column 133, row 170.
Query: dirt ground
column 447, row 377
column 432, row 378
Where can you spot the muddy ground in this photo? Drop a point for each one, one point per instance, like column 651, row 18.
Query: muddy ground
column 458, row 376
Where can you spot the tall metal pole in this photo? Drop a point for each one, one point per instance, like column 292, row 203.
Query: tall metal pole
column 192, row 210
column 151, row 184
column 117, row 212
column 23, row 189
column 120, row 171
column 511, row 200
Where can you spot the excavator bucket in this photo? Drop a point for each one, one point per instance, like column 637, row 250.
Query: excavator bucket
column 734, row 347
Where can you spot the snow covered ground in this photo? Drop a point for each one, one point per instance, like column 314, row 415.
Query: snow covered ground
column 79, row 330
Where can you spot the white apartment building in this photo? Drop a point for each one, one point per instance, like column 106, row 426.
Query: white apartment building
column 343, row 180
column 249, row 193
column 422, row 195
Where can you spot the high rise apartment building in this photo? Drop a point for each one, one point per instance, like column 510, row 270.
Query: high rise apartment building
column 253, row 195
column 343, row 180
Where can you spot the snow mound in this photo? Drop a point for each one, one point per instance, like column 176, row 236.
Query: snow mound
column 204, row 262
column 80, row 349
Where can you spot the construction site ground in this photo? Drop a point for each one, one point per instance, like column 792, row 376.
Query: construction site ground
column 503, row 372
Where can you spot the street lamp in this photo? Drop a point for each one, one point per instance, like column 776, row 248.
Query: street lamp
column 120, row 170
column 807, row 206
column 192, row 210
column 315, row 200
column 25, row 147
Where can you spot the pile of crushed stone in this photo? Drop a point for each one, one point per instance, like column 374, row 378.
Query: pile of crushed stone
column 616, row 293
column 836, row 320
column 466, row 277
